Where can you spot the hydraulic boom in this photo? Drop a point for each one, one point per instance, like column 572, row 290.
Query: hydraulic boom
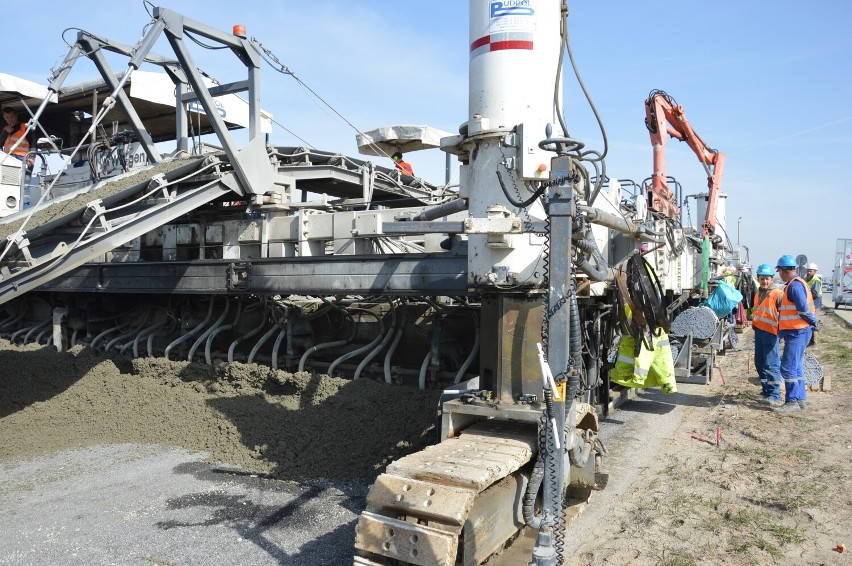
column 665, row 116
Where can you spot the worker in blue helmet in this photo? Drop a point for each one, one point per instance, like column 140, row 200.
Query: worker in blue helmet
column 796, row 323
column 767, row 352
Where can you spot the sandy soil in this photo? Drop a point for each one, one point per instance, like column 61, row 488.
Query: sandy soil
column 777, row 489
column 289, row 426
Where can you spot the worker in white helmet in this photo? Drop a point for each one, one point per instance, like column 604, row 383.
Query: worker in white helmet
column 814, row 281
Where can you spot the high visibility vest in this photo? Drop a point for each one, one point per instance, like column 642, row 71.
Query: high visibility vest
column 788, row 316
column 405, row 168
column 12, row 139
column 815, row 282
column 765, row 313
column 651, row 368
column 730, row 279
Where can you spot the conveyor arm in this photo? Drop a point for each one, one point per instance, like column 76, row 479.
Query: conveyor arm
column 104, row 231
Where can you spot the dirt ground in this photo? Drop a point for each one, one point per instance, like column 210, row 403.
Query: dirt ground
column 777, row 490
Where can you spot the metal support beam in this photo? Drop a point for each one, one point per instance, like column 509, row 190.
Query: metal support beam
column 412, row 274
column 252, row 172
column 561, row 210
column 97, row 57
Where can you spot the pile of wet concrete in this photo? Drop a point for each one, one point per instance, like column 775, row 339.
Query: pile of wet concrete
column 288, row 425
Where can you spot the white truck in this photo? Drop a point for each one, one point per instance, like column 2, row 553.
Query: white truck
column 841, row 280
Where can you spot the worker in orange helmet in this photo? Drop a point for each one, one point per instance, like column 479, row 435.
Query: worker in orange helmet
column 402, row 165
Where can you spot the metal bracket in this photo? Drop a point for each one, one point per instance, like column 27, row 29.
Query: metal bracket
column 238, row 276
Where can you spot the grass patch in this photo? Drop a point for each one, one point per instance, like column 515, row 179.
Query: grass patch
column 785, row 534
column 802, row 454
column 673, row 556
column 746, row 543
column 677, row 558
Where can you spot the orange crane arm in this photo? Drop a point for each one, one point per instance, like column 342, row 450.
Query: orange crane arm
column 664, row 116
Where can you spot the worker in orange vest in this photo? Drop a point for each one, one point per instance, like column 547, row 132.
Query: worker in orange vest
column 14, row 133
column 767, row 353
column 796, row 323
column 402, row 165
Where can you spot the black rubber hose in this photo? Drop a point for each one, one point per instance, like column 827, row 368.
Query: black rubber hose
column 531, row 494
column 575, row 339
column 599, row 271
column 578, row 455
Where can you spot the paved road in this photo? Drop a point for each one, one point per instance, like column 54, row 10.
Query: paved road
column 845, row 313
column 143, row 505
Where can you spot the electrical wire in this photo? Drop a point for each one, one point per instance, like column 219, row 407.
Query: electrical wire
column 567, row 43
column 277, row 65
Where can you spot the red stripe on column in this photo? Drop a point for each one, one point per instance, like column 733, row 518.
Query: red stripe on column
column 501, row 45
column 480, row 42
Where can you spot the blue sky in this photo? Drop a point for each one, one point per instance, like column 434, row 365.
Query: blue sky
column 768, row 83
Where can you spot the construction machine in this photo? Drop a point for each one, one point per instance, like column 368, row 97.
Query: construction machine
column 500, row 291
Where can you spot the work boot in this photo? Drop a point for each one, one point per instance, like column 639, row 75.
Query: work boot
column 790, row 407
column 771, row 402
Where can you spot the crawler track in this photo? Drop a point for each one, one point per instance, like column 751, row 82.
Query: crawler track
column 460, row 498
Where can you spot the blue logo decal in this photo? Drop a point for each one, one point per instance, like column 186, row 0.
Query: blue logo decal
column 511, row 8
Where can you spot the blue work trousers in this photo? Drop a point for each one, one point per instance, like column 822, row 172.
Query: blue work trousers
column 795, row 342
column 767, row 360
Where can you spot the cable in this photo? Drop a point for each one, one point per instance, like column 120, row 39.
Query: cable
column 567, row 43
column 512, row 201
column 202, row 44
column 276, row 64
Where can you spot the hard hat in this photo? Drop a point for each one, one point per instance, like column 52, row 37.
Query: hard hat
column 786, row 261
column 765, row 269
column 812, row 266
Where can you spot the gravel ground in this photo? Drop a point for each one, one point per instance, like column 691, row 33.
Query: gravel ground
column 130, row 504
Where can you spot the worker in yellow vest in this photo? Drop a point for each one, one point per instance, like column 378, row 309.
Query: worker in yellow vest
column 814, row 281
column 729, row 276
column 767, row 352
column 796, row 323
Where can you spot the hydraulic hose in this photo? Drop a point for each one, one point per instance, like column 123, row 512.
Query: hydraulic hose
column 362, row 349
column 598, row 272
column 472, row 356
column 380, row 347
column 186, row 336
column 575, row 340
column 144, row 334
column 211, row 335
column 276, row 326
column 42, row 333
column 207, row 332
column 31, row 330
column 234, row 344
column 531, row 494
column 575, row 349
column 445, row 209
column 387, row 365
column 328, row 345
column 98, row 338
column 421, row 380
